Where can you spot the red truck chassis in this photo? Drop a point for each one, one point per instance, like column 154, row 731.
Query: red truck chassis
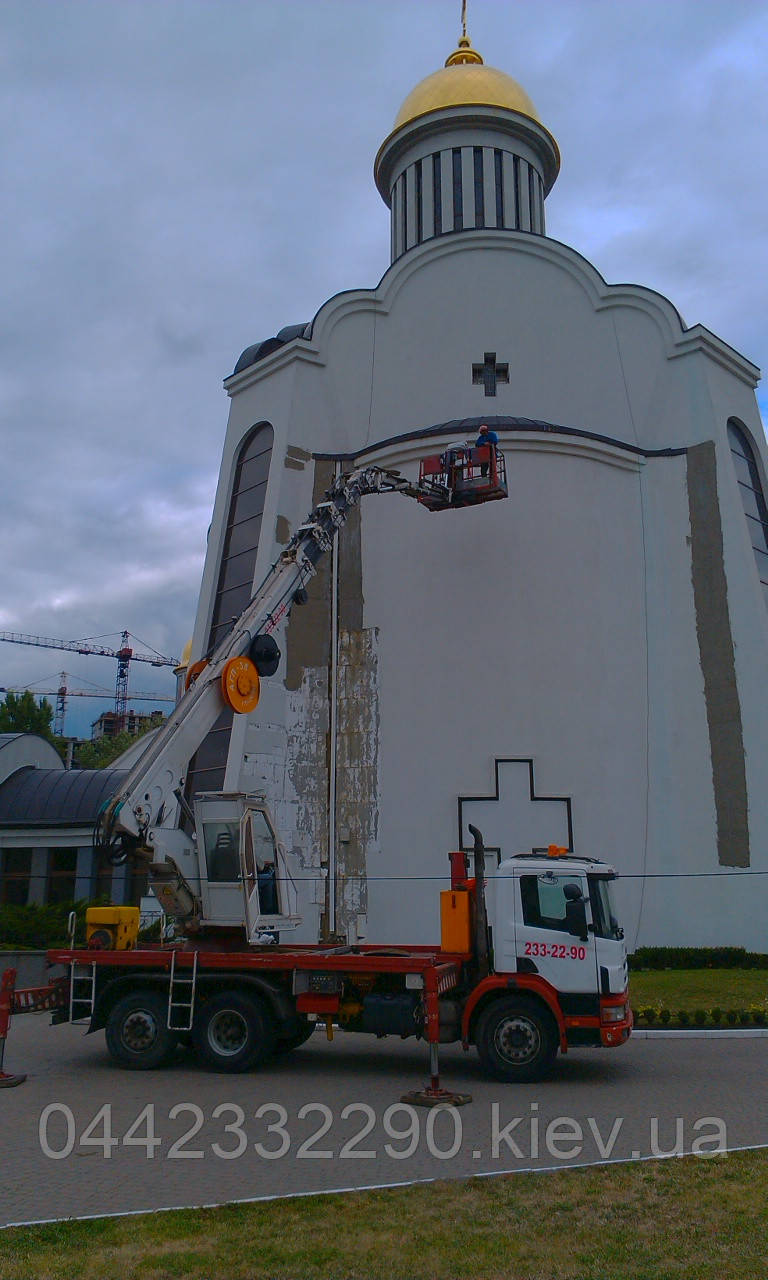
column 304, row 980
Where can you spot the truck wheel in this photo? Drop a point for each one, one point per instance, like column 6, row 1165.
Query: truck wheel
column 516, row 1040
column 295, row 1041
column 137, row 1031
column 232, row 1032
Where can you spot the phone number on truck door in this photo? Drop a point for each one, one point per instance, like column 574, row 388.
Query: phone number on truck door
column 555, row 950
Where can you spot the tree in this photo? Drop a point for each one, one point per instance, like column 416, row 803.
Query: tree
column 19, row 713
column 100, row 754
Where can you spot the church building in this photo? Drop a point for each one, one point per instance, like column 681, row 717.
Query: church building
column 583, row 663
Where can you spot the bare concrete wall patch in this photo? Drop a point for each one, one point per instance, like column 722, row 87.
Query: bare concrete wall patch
column 713, row 629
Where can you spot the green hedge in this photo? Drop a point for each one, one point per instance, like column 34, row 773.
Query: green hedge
column 690, row 1020
column 36, row 928
column 151, row 932
column 697, row 958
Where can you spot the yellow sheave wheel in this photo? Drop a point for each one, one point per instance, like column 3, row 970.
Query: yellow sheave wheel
column 240, row 684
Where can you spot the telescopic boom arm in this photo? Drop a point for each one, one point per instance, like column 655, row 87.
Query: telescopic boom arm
column 147, row 797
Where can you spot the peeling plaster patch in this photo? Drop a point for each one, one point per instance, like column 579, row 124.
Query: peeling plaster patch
column 282, row 531
column 306, row 769
column 357, row 769
column 285, row 760
column 277, row 749
column 307, row 746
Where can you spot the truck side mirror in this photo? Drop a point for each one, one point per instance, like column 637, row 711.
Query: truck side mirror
column 575, row 912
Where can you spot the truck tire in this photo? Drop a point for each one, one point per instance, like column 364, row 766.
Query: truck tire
column 295, row 1041
column 137, row 1031
column 233, row 1031
column 516, row 1039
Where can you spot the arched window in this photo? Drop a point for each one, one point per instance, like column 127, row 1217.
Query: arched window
column 233, row 589
column 752, row 497
column 241, row 539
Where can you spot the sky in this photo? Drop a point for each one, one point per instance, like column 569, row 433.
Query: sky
column 182, row 179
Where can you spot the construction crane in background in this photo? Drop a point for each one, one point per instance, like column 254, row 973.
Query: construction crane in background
column 62, row 692
column 125, row 655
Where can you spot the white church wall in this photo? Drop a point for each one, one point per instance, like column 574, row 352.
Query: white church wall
column 492, row 645
column 491, row 298
column 580, row 352
column 559, row 626
column 681, row 820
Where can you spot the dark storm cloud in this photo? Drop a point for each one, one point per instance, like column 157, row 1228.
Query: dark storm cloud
column 183, row 179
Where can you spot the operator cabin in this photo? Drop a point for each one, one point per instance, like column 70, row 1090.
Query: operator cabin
column 581, row 664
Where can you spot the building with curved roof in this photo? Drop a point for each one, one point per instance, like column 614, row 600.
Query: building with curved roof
column 582, row 664
column 47, row 815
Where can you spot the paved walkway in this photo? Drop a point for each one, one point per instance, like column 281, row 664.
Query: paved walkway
column 336, row 1121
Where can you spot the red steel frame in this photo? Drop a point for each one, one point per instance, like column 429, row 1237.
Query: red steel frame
column 440, row 971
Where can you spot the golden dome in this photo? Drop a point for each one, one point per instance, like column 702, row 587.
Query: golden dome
column 465, row 80
column 185, row 656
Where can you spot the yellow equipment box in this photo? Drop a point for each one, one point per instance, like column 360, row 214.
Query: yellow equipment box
column 111, row 928
column 455, row 927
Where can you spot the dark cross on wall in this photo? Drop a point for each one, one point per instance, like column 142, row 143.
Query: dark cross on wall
column 489, row 373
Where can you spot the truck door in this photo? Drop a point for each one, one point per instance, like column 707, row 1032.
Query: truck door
column 217, row 821
column 544, row 943
column 270, row 892
column 260, row 873
column 609, row 937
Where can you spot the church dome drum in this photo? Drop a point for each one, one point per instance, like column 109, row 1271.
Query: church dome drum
column 468, row 152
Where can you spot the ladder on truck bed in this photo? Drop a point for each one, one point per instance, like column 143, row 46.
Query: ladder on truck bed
column 181, row 996
column 82, row 991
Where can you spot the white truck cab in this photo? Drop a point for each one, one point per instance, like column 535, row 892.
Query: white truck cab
column 554, row 917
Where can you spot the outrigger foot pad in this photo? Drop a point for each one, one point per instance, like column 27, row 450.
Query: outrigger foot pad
column 436, row 1098
column 7, row 1081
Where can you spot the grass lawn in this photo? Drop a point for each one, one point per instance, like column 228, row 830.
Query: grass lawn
column 706, row 1219
column 699, row 988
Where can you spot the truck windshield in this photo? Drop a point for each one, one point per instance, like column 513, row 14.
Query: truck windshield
column 603, row 911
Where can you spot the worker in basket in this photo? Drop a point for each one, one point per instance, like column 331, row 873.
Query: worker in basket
column 486, row 437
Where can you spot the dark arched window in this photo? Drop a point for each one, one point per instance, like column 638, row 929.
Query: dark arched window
column 241, row 539
column 233, row 589
column 752, row 497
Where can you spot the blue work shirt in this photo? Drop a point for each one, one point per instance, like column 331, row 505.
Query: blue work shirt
column 486, row 437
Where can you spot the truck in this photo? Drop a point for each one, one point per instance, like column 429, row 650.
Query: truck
column 549, row 971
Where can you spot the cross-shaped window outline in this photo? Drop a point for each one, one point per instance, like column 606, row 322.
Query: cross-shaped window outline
column 498, row 762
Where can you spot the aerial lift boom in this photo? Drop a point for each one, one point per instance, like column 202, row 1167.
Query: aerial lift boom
column 139, row 822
